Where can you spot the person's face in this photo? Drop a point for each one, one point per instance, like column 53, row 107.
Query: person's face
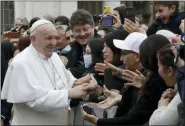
column 166, row 73
column 45, row 40
column 107, row 53
column 61, row 40
column 82, row 33
column 116, row 16
column 163, row 12
column 130, row 59
column 14, row 41
column 69, row 36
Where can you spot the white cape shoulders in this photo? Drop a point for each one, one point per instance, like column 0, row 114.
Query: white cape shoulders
column 26, row 80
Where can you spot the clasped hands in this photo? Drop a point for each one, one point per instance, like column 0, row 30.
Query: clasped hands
column 83, row 87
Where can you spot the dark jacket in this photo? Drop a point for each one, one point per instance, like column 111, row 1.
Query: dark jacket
column 140, row 112
column 181, row 82
column 172, row 25
column 181, row 112
column 6, row 54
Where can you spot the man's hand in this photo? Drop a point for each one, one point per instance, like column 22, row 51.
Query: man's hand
column 82, row 80
column 130, row 26
column 137, row 79
column 77, row 92
column 115, row 70
column 113, row 98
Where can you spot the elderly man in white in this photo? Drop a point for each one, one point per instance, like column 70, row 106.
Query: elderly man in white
column 38, row 84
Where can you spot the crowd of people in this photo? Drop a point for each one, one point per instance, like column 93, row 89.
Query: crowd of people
column 60, row 71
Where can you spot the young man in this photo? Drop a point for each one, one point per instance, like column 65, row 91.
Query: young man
column 82, row 26
column 167, row 17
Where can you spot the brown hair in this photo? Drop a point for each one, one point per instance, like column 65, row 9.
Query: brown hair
column 168, row 4
column 81, row 16
column 166, row 56
column 23, row 42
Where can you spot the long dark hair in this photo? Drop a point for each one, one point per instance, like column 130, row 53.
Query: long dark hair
column 148, row 51
column 108, row 39
column 96, row 46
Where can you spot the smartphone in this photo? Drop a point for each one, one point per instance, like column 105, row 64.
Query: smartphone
column 88, row 110
column 130, row 13
column 108, row 78
column 107, row 21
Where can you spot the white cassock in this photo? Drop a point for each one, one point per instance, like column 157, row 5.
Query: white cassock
column 38, row 87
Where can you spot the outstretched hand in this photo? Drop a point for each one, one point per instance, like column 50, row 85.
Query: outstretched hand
column 134, row 79
column 112, row 99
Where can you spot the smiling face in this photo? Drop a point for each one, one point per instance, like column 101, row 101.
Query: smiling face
column 45, row 39
column 130, row 59
column 164, row 12
column 83, row 33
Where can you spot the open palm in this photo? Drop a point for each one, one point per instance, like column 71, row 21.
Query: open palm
column 112, row 99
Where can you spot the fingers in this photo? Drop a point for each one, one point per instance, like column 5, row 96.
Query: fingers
column 127, row 79
column 101, row 74
column 129, row 84
column 138, row 72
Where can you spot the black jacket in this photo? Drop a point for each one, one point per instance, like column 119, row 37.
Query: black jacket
column 172, row 25
column 140, row 112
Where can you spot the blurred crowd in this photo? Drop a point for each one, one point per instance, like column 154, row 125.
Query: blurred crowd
column 139, row 69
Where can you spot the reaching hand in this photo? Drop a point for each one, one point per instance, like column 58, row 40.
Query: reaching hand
column 130, row 26
column 115, row 70
column 90, row 118
column 91, row 86
column 113, row 98
column 100, row 68
column 85, row 79
column 134, row 79
column 77, row 92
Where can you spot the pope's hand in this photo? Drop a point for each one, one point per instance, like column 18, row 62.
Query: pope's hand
column 113, row 98
column 77, row 92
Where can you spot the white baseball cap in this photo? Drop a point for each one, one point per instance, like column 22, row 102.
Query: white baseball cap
column 38, row 24
column 168, row 34
column 131, row 43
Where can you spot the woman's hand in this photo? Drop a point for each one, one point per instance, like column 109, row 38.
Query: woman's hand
column 117, row 21
column 113, row 98
column 130, row 26
column 137, row 79
column 85, row 79
column 100, row 68
column 90, row 118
